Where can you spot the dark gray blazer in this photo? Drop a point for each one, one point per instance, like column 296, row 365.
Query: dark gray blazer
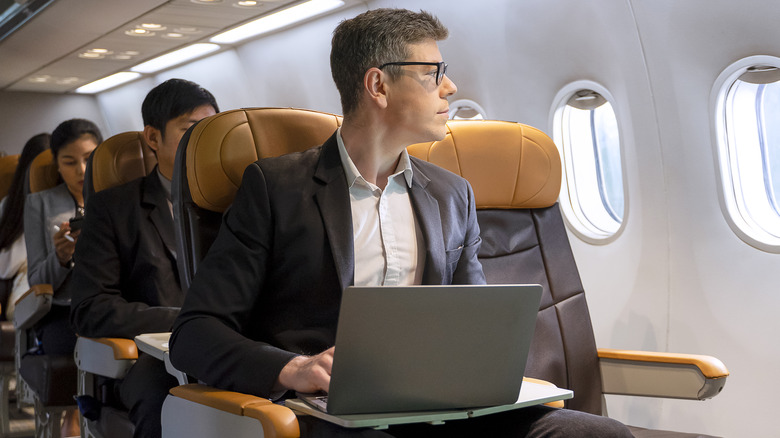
column 270, row 286
column 126, row 282
column 42, row 211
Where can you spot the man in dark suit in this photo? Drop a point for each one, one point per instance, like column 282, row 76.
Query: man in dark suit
column 261, row 314
column 127, row 282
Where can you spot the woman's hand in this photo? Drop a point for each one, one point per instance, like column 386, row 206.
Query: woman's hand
column 64, row 243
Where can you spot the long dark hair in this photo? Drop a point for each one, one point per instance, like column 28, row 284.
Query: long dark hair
column 11, row 223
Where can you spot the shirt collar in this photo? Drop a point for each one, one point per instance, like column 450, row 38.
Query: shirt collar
column 166, row 183
column 352, row 172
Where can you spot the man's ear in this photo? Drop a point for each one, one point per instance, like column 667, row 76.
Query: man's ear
column 375, row 86
column 153, row 137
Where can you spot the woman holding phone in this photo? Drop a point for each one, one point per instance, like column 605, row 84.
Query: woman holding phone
column 51, row 240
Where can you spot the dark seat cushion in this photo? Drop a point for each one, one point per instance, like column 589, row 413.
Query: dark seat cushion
column 51, row 377
column 113, row 423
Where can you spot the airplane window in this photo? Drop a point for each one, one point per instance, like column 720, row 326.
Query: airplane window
column 748, row 143
column 465, row 109
column 585, row 129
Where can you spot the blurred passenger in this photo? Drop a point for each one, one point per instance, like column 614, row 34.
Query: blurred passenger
column 13, row 253
column 126, row 282
column 51, row 241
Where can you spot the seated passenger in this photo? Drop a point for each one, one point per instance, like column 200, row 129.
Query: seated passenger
column 357, row 210
column 50, row 240
column 126, row 282
column 13, row 252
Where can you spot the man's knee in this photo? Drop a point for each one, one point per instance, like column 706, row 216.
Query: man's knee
column 567, row 423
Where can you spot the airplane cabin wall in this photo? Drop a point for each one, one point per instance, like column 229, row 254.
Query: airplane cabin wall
column 23, row 115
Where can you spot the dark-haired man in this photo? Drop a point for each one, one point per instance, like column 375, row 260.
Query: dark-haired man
column 127, row 281
column 357, row 210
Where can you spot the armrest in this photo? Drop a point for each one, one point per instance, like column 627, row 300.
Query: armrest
column 32, row 306
column 276, row 420
column 109, row 357
column 555, row 404
column 654, row 374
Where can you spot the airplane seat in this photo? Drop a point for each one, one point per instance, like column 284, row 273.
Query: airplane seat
column 118, row 160
column 515, row 172
column 47, row 382
column 210, row 163
column 7, row 169
column 8, row 165
column 211, row 160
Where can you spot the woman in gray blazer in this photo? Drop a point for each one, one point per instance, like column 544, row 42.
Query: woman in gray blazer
column 49, row 237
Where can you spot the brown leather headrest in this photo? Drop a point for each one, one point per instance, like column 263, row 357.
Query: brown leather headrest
column 222, row 146
column 7, row 169
column 43, row 172
column 120, row 159
column 509, row 165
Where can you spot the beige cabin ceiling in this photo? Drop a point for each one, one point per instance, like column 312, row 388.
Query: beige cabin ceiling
column 43, row 55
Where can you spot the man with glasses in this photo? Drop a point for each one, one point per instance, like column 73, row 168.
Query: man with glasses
column 357, row 210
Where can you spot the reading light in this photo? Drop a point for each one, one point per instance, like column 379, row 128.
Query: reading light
column 175, row 58
column 107, row 82
column 276, row 20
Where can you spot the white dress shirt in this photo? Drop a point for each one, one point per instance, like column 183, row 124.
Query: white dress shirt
column 389, row 247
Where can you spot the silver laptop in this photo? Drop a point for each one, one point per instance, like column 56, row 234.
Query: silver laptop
column 422, row 348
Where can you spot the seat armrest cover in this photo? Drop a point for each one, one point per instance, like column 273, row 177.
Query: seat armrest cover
column 32, row 306
column 109, row 357
column 277, row 420
column 658, row 374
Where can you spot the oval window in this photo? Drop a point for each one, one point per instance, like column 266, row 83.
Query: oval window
column 465, row 109
column 585, row 129
column 747, row 110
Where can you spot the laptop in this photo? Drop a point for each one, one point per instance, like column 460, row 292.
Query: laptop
column 427, row 348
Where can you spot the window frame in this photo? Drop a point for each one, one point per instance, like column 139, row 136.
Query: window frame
column 731, row 203
column 575, row 221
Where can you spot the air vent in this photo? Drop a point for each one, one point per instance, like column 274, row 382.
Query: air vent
column 14, row 15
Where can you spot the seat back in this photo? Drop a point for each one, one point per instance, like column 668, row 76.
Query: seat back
column 118, row 160
column 515, row 171
column 42, row 173
column 7, row 169
column 210, row 164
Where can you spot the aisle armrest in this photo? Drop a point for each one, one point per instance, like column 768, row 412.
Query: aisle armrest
column 32, row 306
column 656, row 374
column 277, row 421
column 109, row 357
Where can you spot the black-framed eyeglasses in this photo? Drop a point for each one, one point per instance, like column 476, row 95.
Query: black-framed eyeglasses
column 441, row 68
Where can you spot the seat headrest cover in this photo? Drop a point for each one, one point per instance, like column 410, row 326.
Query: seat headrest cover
column 509, row 165
column 43, row 172
column 222, row 146
column 120, row 159
column 7, row 169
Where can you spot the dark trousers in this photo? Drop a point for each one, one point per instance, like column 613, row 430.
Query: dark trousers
column 55, row 333
column 532, row 422
column 143, row 391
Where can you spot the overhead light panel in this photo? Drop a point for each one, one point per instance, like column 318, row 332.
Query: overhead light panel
column 277, row 20
column 175, row 58
column 108, row 82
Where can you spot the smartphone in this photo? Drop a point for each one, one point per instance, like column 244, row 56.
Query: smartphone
column 76, row 223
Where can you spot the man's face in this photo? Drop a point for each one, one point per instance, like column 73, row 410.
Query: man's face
column 167, row 144
column 416, row 106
